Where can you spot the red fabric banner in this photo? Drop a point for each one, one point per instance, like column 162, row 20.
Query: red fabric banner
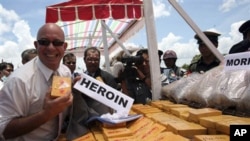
column 94, row 9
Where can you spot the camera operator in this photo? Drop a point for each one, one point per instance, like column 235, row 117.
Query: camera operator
column 143, row 68
column 135, row 78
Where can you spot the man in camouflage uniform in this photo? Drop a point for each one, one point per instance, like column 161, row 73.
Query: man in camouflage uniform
column 207, row 60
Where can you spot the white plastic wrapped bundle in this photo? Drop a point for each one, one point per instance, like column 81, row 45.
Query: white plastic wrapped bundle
column 216, row 88
column 228, row 89
column 244, row 102
column 202, row 89
column 179, row 88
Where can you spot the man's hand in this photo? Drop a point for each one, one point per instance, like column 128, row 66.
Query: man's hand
column 53, row 106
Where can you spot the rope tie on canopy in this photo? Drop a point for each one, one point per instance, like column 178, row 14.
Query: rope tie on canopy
column 76, row 10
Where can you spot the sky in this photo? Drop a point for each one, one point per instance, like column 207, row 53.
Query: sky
column 20, row 20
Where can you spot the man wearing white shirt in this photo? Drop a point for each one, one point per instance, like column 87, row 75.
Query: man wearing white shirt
column 27, row 112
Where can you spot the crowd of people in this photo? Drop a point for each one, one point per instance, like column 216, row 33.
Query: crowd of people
column 26, row 103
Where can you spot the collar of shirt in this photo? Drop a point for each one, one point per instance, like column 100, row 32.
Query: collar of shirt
column 61, row 71
column 90, row 74
column 214, row 62
column 45, row 70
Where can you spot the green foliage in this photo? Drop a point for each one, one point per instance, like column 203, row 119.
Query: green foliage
column 195, row 58
column 185, row 66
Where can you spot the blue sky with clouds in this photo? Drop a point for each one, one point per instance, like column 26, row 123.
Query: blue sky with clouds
column 19, row 21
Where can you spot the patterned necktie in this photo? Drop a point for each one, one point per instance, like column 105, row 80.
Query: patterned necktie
column 55, row 73
column 59, row 118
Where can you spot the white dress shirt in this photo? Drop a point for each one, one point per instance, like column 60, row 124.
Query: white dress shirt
column 1, row 84
column 23, row 95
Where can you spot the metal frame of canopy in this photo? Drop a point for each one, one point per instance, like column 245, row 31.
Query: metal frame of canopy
column 197, row 30
column 86, row 10
column 84, row 34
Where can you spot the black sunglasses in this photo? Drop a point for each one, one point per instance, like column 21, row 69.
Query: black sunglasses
column 9, row 70
column 55, row 43
column 68, row 63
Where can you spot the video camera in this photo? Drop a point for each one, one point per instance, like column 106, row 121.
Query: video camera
column 130, row 73
column 132, row 60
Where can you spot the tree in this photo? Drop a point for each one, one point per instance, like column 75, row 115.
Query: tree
column 195, row 58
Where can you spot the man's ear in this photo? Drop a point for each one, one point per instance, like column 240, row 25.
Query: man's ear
column 36, row 44
column 65, row 45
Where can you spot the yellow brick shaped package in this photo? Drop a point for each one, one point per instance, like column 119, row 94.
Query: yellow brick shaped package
column 211, row 138
column 151, row 132
column 99, row 136
column 116, row 132
column 195, row 115
column 87, row 137
column 224, row 126
column 159, row 103
column 180, row 111
column 210, row 122
column 169, row 136
column 139, row 124
column 187, row 129
column 60, row 86
column 127, row 138
column 167, row 107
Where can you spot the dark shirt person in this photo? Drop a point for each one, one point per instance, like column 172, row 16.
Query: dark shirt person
column 208, row 60
column 27, row 111
column 143, row 68
column 136, row 78
column 92, row 58
column 69, row 60
column 243, row 45
column 160, row 53
column 28, row 54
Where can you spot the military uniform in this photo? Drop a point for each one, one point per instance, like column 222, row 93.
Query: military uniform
column 245, row 44
column 240, row 47
column 200, row 66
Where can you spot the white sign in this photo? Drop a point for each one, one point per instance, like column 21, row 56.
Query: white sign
column 104, row 94
column 237, row 61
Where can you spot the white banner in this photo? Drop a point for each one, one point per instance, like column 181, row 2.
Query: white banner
column 104, row 94
column 237, row 61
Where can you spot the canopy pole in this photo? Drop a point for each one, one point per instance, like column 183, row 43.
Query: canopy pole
column 105, row 46
column 204, row 38
column 90, row 41
column 152, row 50
column 116, row 39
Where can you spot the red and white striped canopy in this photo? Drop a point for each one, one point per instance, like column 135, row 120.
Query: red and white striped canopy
column 94, row 9
column 80, row 20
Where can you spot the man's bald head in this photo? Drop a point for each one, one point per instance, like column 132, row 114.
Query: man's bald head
column 49, row 26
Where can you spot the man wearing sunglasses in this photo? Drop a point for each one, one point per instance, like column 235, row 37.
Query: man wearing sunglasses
column 27, row 110
column 3, row 66
column 5, row 70
column 69, row 60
